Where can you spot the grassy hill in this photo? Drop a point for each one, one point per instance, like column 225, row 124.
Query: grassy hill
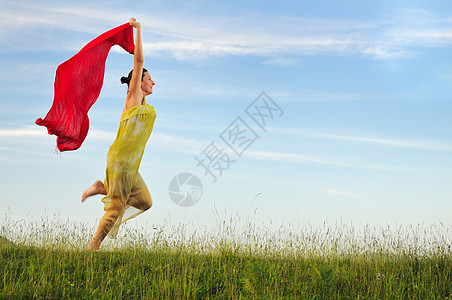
column 328, row 263
column 5, row 242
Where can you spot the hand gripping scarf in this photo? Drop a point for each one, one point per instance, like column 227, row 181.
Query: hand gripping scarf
column 78, row 82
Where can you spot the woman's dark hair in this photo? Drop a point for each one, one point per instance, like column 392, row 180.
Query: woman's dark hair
column 129, row 77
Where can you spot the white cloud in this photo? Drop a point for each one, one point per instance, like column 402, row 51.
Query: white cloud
column 179, row 144
column 159, row 140
column 408, row 28
column 402, row 143
column 281, row 61
column 378, row 52
column 196, row 146
column 343, row 193
column 303, row 159
column 29, row 131
column 187, row 36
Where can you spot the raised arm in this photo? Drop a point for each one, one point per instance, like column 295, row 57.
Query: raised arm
column 135, row 95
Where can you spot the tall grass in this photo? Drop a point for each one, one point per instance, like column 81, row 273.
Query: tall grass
column 46, row 259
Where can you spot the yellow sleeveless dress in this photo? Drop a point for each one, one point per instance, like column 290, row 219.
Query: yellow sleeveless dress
column 123, row 160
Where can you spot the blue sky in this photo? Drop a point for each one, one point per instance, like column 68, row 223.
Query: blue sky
column 365, row 136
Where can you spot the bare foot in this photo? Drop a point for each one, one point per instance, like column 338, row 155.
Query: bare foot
column 93, row 248
column 96, row 189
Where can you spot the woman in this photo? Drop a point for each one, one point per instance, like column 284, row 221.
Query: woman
column 123, row 186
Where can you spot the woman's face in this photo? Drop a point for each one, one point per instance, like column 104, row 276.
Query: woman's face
column 147, row 83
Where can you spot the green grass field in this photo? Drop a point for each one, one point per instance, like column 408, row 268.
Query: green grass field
column 46, row 260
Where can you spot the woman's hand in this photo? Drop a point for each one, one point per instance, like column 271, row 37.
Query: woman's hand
column 133, row 22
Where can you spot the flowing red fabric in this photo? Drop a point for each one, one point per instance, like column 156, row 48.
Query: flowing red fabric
column 78, row 82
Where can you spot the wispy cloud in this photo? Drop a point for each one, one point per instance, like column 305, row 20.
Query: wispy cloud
column 159, row 140
column 418, row 28
column 27, row 131
column 305, row 159
column 323, row 96
column 196, row 146
column 403, row 143
column 382, row 52
column 189, row 36
column 343, row 193
column 281, row 61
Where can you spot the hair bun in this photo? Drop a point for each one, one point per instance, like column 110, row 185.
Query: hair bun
column 124, row 80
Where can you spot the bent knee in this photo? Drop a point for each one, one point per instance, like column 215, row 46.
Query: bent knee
column 147, row 205
column 145, row 200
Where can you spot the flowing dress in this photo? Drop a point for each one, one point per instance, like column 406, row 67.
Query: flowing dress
column 123, row 160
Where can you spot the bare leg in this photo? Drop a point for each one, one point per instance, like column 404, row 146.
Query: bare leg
column 106, row 223
column 141, row 200
column 96, row 189
column 98, row 237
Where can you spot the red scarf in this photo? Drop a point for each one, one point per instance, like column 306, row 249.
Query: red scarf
column 78, row 82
